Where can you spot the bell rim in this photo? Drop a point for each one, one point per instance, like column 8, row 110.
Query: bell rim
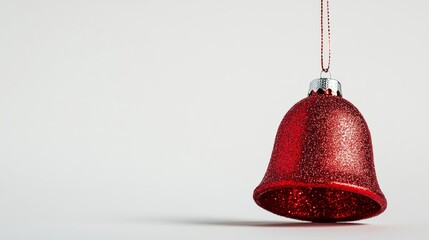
column 287, row 184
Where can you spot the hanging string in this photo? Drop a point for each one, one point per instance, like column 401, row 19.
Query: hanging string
column 322, row 37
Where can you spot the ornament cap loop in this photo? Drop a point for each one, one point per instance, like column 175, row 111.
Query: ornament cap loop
column 325, row 72
column 328, row 86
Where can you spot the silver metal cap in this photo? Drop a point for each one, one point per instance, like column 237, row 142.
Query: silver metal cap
column 326, row 85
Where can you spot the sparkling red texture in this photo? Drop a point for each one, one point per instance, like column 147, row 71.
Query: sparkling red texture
column 322, row 166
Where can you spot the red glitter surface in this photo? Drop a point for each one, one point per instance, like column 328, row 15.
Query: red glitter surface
column 322, row 166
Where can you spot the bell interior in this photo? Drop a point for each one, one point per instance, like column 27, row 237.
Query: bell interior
column 318, row 204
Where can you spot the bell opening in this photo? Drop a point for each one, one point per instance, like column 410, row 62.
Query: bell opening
column 318, row 204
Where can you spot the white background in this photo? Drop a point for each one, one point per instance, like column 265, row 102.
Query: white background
column 156, row 119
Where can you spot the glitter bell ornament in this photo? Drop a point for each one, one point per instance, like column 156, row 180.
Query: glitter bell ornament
column 322, row 166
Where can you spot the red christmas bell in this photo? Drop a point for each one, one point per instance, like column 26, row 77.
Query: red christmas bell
column 322, row 166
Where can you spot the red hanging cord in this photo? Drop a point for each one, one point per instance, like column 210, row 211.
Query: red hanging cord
column 322, row 36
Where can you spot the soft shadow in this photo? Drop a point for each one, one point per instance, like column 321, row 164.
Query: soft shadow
column 244, row 223
column 247, row 223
